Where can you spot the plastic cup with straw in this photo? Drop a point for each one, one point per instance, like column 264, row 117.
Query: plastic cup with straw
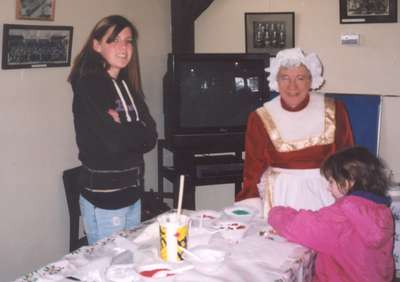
column 174, row 231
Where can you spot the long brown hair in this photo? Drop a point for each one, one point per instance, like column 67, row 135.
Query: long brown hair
column 90, row 62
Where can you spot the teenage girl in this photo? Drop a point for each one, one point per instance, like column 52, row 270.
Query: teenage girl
column 353, row 238
column 113, row 128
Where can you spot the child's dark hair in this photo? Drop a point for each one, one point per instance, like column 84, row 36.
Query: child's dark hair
column 90, row 62
column 358, row 165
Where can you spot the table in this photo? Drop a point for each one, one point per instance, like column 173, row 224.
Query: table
column 254, row 258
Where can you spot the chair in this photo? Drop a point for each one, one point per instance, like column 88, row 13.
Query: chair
column 71, row 186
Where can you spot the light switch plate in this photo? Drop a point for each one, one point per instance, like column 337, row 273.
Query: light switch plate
column 350, row 39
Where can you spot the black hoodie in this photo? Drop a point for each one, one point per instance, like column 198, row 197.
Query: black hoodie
column 104, row 144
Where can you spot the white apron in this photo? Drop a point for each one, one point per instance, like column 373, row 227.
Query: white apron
column 296, row 188
column 291, row 131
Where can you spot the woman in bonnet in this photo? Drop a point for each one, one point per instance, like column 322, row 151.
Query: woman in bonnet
column 289, row 137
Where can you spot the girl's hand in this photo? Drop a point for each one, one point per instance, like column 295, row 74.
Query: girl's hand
column 114, row 114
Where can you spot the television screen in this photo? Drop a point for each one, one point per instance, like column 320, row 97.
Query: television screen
column 208, row 97
column 219, row 93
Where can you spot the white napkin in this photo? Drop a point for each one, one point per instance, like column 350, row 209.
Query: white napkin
column 94, row 271
column 151, row 232
column 122, row 273
column 121, row 244
column 273, row 253
column 93, row 266
column 199, row 236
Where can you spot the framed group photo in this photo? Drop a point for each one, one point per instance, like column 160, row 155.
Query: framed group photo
column 269, row 32
column 42, row 10
column 367, row 11
column 30, row 46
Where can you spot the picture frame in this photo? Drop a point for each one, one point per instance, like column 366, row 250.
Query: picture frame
column 35, row 46
column 42, row 10
column 364, row 11
column 269, row 32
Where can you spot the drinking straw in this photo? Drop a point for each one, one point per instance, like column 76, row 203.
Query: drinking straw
column 201, row 220
column 181, row 183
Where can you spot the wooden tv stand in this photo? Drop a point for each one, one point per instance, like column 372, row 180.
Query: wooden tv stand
column 200, row 168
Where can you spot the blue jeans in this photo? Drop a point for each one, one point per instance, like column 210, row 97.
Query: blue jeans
column 100, row 223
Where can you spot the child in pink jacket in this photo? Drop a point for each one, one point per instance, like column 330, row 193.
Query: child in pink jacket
column 353, row 238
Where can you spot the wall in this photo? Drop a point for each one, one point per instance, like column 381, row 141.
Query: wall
column 369, row 68
column 37, row 138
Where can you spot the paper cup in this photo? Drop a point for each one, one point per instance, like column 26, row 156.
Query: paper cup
column 204, row 218
column 173, row 236
column 233, row 231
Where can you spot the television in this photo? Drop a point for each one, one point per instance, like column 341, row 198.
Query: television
column 208, row 97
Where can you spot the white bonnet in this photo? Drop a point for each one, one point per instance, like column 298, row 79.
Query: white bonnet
column 291, row 58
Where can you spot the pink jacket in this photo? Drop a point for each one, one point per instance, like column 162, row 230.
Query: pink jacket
column 353, row 238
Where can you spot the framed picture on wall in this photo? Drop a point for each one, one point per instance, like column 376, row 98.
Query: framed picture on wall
column 34, row 46
column 367, row 11
column 42, row 10
column 269, row 32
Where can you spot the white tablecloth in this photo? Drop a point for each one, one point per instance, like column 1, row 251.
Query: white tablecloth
column 253, row 258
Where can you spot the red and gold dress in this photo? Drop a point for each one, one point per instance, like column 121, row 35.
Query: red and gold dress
column 285, row 148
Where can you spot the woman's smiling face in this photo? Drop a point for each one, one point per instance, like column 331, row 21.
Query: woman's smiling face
column 294, row 84
column 118, row 52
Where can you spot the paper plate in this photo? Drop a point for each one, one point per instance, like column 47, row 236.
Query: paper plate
column 231, row 225
column 232, row 231
column 205, row 215
column 240, row 212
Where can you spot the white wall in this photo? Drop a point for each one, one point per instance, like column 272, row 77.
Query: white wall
column 37, row 140
column 369, row 68
column 390, row 134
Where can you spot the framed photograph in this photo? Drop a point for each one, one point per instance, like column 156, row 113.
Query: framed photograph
column 42, row 10
column 367, row 11
column 269, row 32
column 32, row 46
